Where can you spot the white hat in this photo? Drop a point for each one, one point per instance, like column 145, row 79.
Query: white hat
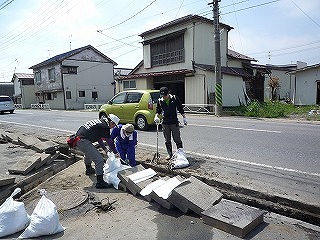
column 129, row 128
column 114, row 118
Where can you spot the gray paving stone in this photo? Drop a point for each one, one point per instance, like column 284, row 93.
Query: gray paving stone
column 163, row 201
column 6, row 179
column 28, row 141
column 25, row 165
column 123, row 174
column 135, row 187
column 147, row 183
column 233, row 217
column 194, row 195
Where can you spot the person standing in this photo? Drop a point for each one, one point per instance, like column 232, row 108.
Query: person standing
column 126, row 140
column 167, row 106
column 92, row 131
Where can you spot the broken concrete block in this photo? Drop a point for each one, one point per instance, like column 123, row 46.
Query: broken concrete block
column 44, row 158
column 233, row 217
column 150, row 184
column 6, row 180
column 123, row 174
column 135, row 179
column 28, row 141
column 11, row 137
column 194, row 195
column 46, row 146
column 161, row 193
column 25, row 165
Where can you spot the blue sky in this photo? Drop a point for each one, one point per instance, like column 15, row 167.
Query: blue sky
column 271, row 31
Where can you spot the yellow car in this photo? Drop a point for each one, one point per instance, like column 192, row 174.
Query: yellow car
column 133, row 106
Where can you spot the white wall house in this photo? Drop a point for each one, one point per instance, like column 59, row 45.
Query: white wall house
column 180, row 55
column 72, row 79
column 307, row 85
column 24, row 89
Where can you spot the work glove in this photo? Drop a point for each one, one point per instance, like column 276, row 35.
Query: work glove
column 156, row 119
column 185, row 121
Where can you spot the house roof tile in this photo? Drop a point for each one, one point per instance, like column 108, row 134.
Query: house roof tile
column 187, row 18
column 63, row 56
column 23, row 75
column 155, row 74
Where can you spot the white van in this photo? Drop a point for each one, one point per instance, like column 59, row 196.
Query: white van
column 6, row 104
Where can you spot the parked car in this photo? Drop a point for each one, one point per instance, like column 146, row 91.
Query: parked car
column 6, row 104
column 133, row 106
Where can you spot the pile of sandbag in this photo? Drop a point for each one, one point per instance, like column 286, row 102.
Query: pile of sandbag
column 14, row 218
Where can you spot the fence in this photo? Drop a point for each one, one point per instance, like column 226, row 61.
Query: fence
column 44, row 106
column 18, row 106
column 92, row 106
column 199, row 108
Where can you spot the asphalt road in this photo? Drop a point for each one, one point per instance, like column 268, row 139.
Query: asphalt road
column 287, row 145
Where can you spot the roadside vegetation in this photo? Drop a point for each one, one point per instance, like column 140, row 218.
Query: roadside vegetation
column 276, row 109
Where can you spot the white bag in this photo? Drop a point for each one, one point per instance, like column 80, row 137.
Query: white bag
column 111, row 169
column 13, row 215
column 44, row 219
column 179, row 160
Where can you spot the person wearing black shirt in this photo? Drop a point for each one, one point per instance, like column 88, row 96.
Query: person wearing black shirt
column 92, row 131
column 167, row 106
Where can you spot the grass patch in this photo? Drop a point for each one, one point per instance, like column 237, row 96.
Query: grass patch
column 275, row 109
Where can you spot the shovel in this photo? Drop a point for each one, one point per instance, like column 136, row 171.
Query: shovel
column 156, row 156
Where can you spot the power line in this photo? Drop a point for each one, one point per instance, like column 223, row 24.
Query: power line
column 129, row 17
column 306, row 14
column 5, row 3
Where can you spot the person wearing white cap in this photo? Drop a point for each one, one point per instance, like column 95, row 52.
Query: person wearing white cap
column 126, row 140
column 92, row 131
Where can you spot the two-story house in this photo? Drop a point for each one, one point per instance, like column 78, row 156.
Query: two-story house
column 74, row 78
column 180, row 55
column 24, row 89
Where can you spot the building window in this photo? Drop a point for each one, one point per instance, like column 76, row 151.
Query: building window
column 37, row 77
column 82, row 93
column 167, row 51
column 69, row 70
column 52, row 74
column 68, row 94
column 94, row 95
column 50, row 96
column 129, row 84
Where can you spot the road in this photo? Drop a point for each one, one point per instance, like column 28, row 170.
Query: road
column 286, row 145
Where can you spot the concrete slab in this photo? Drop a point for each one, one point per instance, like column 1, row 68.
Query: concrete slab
column 6, row 180
column 233, row 217
column 194, row 195
column 150, row 184
column 161, row 193
column 123, row 175
column 44, row 158
column 28, row 141
column 25, row 165
column 139, row 180
column 43, row 146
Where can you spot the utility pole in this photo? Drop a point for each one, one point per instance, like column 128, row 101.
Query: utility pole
column 218, row 87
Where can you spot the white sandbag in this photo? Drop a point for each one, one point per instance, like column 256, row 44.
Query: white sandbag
column 111, row 168
column 44, row 219
column 13, row 215
column 112, row 162
column 112, row 177
column 179, row 160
